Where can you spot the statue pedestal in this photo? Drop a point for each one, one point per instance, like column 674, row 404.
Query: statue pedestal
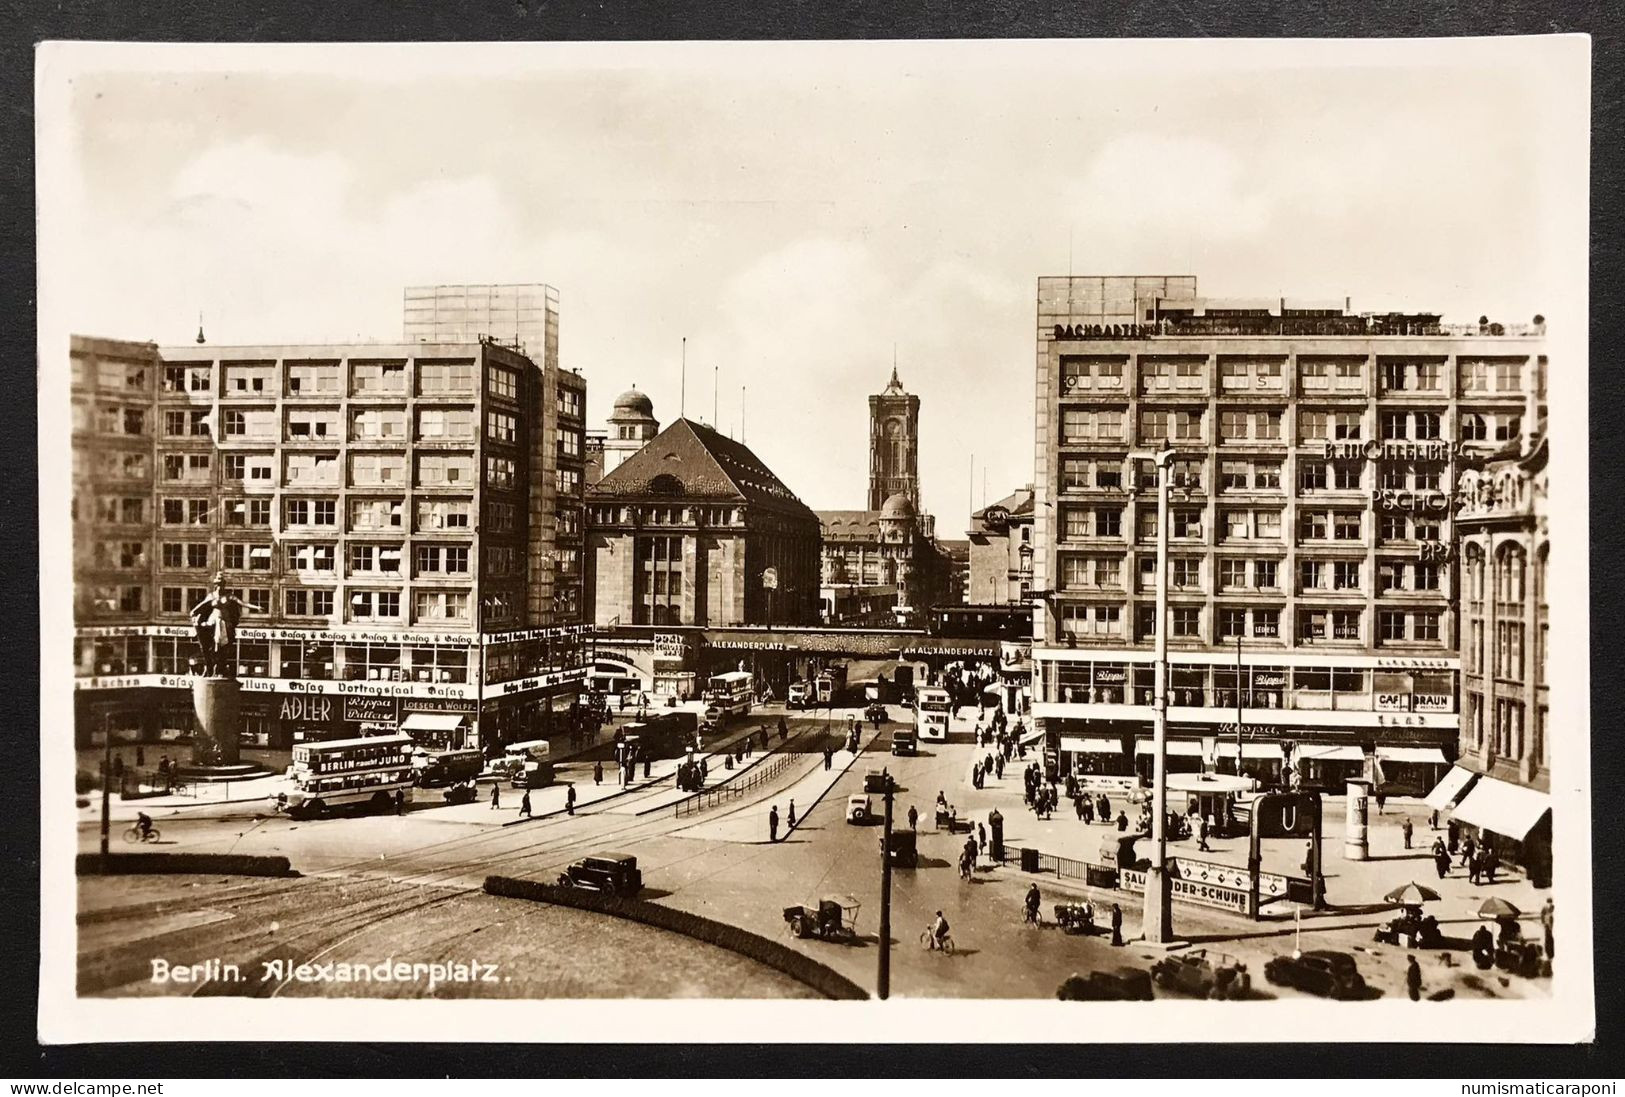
column 216, row 721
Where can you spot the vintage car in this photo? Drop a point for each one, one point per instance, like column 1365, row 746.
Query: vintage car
column 799, row 695
column 830, row 918
column 876, row 780
column 1203, row 974
column 612, row 873
column 1125, row 984
column 858, row 810
column 904, row 851
column 1320, row 971
column 1075, row 918
column 904, row 742
column 875, row 711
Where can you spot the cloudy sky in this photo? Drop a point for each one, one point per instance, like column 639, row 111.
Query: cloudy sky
column 796, row 212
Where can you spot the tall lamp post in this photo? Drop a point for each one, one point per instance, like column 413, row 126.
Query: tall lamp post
column 1238, row 704
column 1157, row 925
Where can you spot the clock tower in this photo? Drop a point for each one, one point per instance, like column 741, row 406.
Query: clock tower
column 894, row 435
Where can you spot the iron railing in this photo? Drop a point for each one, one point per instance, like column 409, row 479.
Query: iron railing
column 731, row 789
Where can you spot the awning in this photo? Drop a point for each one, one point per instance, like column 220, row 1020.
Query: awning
column 1091, row 746
column 434, row 721
column 1181, row 747
column 1034, row 736
column 1449, row 790
column 1503, row 807
column 1325, row 753
column 1429, row 755
column 1251, row 750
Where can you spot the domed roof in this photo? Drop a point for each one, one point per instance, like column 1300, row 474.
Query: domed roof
column 633, row 403
column 897, row 506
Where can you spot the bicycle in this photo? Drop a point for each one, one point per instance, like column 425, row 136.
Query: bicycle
column 966, row 866
column 1030, row 916
column 928, row 941
column 134, row 835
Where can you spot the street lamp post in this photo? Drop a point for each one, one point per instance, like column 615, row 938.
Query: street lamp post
column 1157, row 925
column 1238, row 704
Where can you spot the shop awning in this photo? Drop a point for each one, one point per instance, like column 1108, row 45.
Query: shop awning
column 1325, row 753
column 1431, row 755
column 1449, row 790
column 1251, row 750
column 434, row 721
column 1091, row 746
column 1503, row 807
column 1181, row 747
column 1034, row 736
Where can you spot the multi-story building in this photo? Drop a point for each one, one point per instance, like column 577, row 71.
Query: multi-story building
column 1311, row 588
column 401, row 521
column 1001, row 550
column 693, row 529
column 524, row 316
column 894, row 446
column 1503, row 545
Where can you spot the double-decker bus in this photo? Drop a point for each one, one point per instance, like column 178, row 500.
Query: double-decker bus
column 528, row 764
column 347, row 772
column 931, row 711
column 731, row 693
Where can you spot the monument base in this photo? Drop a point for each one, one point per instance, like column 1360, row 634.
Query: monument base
column 238, row 771
column 216, row 722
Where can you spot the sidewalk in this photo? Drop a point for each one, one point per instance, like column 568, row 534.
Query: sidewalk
column 208, row 794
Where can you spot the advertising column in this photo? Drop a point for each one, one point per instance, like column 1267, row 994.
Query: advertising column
column 1356, row 847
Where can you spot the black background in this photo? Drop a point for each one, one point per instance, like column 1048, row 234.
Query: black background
column 545, row 20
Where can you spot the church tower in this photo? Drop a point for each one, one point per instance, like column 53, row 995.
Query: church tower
column 894, row 440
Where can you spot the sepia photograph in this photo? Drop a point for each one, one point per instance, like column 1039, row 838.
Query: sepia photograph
column 569, row 536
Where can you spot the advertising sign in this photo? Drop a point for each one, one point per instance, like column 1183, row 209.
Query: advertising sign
column 669, row 645
column 1231, row 899
column 379, row 710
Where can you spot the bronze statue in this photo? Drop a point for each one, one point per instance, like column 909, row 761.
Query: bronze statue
column 214, row 620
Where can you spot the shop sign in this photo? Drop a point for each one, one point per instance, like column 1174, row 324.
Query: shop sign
column 1117, row 786
column 369, row 709
column 669, row 645
column 1246, row 729
column 1412, row 502
column 1408, row 720
column 95, row 631
column 348, row 689
column 311, row 709
column 1110, row 676
column 1433, row 449
column 1393, row 702
column 1436, row 552
column 1262, row 680
column 357, row 636
column 1400, row 663
column 450, row 704
column 973, row 653
column 1432, row 702
column 536, row 681
column 1207, row 895
column 749, row 645
column 517, row 636
column 127, row 681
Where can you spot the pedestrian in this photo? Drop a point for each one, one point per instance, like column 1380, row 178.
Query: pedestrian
column 773, row 823
column 400, row 802
column 998, row 766
column 598, row 773
column 1441, row 859
column 1413, row 979
column 1547, row 912
column 704, row 770
column 1468, row 849
column 1122, row 822
column 524, row 805
column 646, row 763
column 118, row 767
column 570, row 798
column 1088, row 804
column 1309, row 859
column 1117, row 926
column 784, row 730
column 981, row 836
column 1491, row 862
column 913, row 817
column 1433, row 819
column 1382, row 798
column 1103, row 806
column 790, row 816
column 1405, row 831
column 140, row 756
column 496, row 795
column 1483, row 948
column 1201, row 834
column 1077, row 804
column 829, row 757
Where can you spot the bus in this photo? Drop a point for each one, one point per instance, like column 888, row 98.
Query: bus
column 931, row 711
column 528, row 764
column 732, row 692
column 347, row 772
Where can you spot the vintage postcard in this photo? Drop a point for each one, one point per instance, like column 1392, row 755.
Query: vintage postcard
column 755, row 541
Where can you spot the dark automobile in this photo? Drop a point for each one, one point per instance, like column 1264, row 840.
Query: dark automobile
column 613, row 873
column 1203, row 974
column 1125, row 984
column 904, row 851
column 876, row 781
column 875, row 711
column 904, row 742
column 1320, row 971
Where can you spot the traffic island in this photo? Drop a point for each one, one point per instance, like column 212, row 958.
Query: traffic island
column 174, row 864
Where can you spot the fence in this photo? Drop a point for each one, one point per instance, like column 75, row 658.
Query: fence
column 732, row 790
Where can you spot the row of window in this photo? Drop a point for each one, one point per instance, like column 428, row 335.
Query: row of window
column 366, row 378
column 431, row 515
column 1188, row 623
column 1241, row 524
column 1185, row 573
column 1189, row 474
column 1246, row 425
column 1255, row 686
column 1474, row 376
column 431, row 559
column 1509, row 651
column 1505, row 733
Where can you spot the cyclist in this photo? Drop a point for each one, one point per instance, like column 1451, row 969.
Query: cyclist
column 939, row 930
column 143, row 823
column 1032, row 902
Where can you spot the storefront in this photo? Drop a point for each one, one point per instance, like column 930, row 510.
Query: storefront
column 1089, row 756
column 1516, row 822
column 1409, row 770
column 1323, row 767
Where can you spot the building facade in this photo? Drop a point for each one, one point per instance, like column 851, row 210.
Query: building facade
column 1503, row 544
column 524, row 316
column 694, row 529
column 1001, row 551
column 401, row 521
column 632, row 424
column 1312, row 594
column 894, row 446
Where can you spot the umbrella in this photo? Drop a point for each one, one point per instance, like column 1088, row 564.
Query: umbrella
column 1411, row 895
column 1498, row 908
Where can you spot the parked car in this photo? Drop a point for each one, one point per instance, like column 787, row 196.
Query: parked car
column 614, row 873
column 1203, row 974
column 1125, row 984
column 876, row 780
column 1321, row 971
column 858, row 810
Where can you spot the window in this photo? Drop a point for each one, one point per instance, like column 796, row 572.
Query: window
column 190, row 423
column 313, row 378
column 443, row 559
column 1238, row 525
column 378, row 423
column 316, row 558
column 312, row 424
column 378, row 378
column 499, row 472
column 1232, row 574
column 1507, row 427
column 248, row 513
column 250, row 378
column 1186, row 474
column 1312, row 624
column 502, row 382
column 1187, row 621
column 440, row 514
column 1154, row 426
column 313, row 468
column 1311, row 574
column 440, row 605
column 499, row 517
column 1508, row 375
column 1424, row 576
column 308, row 603
column 1349, row 376
column 1393, row 424
column 569, row 402
column 370, row 469
column 1346, row 476
column 1346, row 425
column 1473, row 376
column 445, row 470
column 1346, row 525
column 1425, row 625
column 440, row 424
column 1473, row 428
column 1314, row 376
column 502, row 427
column 1313, row 525
column 369, row 514
column 445, row 377
column 1265, row 574
column 1267, row 476
column 1108, row 522
column 1233, row 475
column 193, row 555
column 1232, row 623
column 1312, row 477
column 1267, row 525
column 189, row 468
column 1345, row 624
column 568, row 480
column 1346, row 575
column 1266, row 623
column 1186, row 523
column 311, row 512
column 1313, row 426
column 371, row 604
column 187, row 378
column 1186, row 574
column 570, row 443
column 378, row 559
column 1425, row 425
column 1074, row 474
